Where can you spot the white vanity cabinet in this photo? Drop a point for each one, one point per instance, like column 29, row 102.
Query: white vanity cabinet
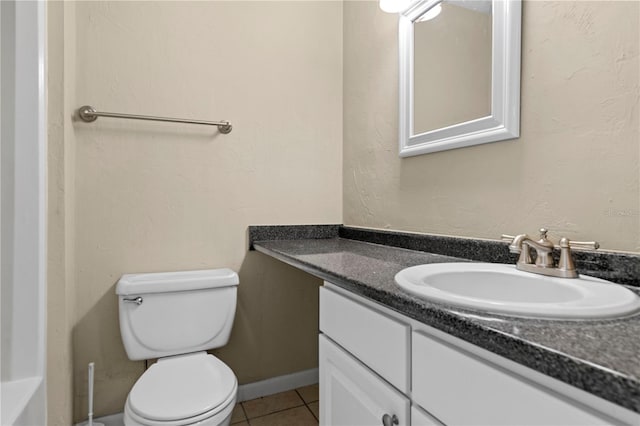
column 378, row 367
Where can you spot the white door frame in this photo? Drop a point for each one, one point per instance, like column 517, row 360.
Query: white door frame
column 23, row 213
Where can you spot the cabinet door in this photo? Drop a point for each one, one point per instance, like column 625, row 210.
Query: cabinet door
column 353, row 395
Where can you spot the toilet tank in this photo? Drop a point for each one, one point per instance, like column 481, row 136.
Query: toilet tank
column 171, row 313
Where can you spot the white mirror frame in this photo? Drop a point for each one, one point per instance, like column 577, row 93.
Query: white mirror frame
column 504, row 121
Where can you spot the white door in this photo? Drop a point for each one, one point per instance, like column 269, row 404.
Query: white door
column 353, row 395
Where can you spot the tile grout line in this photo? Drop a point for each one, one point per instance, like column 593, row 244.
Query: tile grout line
column 306, row 404
column 246, row 418
column 277, row 411
column 245, row 414
column 311, row 411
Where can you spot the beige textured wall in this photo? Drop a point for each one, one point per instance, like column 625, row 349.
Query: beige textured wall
column 574, row 169
column 60, row 201
column 149, row 197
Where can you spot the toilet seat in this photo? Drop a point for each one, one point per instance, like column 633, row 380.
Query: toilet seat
column 183, row 389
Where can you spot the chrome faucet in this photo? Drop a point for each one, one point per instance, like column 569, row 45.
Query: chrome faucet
column 544, row 263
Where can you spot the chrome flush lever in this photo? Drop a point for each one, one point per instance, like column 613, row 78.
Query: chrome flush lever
column 137, row 300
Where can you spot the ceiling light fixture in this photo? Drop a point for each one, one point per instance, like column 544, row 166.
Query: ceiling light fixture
column 394, row 6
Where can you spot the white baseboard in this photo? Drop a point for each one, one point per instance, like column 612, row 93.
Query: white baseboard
column 273, row 385
column 246, row 392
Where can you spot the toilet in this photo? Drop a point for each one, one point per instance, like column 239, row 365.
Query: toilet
column 176, row 317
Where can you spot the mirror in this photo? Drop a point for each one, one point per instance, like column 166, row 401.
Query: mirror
column 459, row 74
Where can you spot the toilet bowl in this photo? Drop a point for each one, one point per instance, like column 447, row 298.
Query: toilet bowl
column 193, row 389
column 176, row 317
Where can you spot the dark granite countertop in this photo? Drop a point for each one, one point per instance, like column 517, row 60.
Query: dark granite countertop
column 601, row 357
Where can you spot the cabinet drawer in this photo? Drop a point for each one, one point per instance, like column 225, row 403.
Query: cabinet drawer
column 379, row 341
column 462, row 389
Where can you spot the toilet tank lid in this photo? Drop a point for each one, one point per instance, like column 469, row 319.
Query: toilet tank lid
column 159, row 282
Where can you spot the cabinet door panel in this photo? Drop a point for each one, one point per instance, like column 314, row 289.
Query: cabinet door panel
column 353, row 395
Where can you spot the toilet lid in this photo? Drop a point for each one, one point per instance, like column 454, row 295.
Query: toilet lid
column 181, row 387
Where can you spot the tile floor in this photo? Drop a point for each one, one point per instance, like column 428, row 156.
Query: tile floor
column 297, row 407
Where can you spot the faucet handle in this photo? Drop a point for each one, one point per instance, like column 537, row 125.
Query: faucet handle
column 509, row 238
column 566, row 259
column 585, row 245
column 566, row 243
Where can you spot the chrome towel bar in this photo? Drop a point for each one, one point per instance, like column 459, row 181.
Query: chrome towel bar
column 88, row 114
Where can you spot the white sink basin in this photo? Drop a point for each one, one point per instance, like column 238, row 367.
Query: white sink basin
column 505, row 290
